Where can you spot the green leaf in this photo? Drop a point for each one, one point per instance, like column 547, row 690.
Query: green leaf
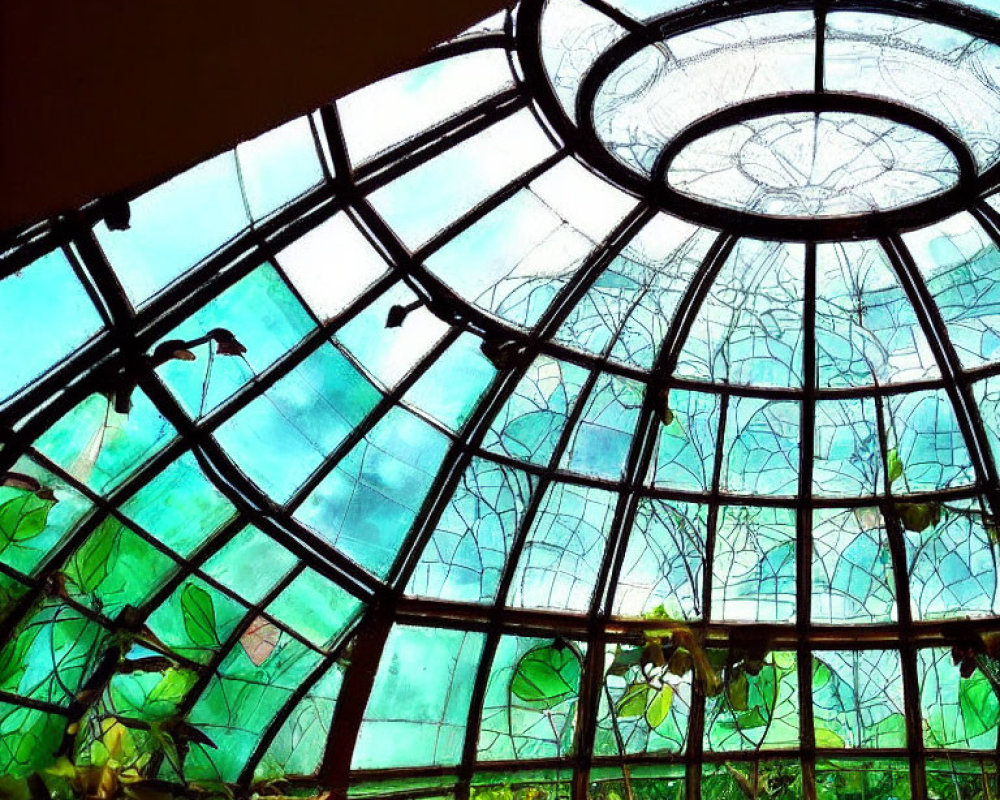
column 827, row 738
column 895, row 466
column 659, row 708
column 23, row 517
column 978, row 703
column 633, row 702
column 624, row 659
column 199, row 616
column 546, row 675
column 173, row 687
column 92, row 563
column 918, row 517
column 738, row 691
column 14, row 657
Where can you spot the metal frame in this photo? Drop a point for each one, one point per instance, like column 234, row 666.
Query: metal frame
column 132, row 332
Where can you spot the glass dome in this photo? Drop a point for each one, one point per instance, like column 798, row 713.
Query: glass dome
column 607, row 408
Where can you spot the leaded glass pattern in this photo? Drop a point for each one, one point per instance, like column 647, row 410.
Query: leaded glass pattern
column 605, row 409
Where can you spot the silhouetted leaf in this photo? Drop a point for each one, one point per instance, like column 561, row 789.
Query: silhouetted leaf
column 199, row 616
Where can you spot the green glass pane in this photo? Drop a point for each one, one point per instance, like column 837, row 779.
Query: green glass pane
column 100, row 447
column 957, row 712
column 858, row 699
column 315, row 607
column 251, row 564
column 180, row 506
column 196, row 619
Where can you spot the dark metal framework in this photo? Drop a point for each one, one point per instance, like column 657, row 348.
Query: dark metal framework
column 130, row 333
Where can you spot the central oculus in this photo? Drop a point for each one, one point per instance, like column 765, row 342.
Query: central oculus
column 813, row 164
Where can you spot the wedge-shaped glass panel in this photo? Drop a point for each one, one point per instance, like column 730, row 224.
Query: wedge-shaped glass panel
column 866, row 329
column 468, row 552
column 175, row 226
column 419, row 99
column 664, row 562
column 686, row 452
column 366, row 505
column 435, row 194
column 749, row 328
column 331, row 265
column 250, row 564
column 278, row 166
column 530, row 706
column 959, row 261
column 561, row 559
column 262, row 313
column 601, row 441
column 420, row 700
column 529, row 425
column 285, row 434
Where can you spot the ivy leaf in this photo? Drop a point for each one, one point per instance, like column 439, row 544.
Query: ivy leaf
column 14, row 657
column 738, row 691
column 259, row 640
column 979, row 705
column 199, row 616
column 827, row 738
column 659, row 708
column 23, row 517
column 172, row 688
column 633, row 702
column 546, row 675
column 895, row 466
column 918, row 517
column 92, row 563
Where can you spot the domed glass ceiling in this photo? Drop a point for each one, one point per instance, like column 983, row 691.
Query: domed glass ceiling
column 608, row 408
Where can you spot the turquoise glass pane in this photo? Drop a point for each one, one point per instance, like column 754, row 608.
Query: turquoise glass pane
column 519, row 727
column 531, row 421
column 48, row 290
column 753, row 573
column 175, row 226
column 866, row 329
column 601, row 440
column 922, row 429
column 452, row 386
column 315, row 607
column 100, row 447
column 847, row 458
column 749, row 328
column 662, row 259
column 858, row 698
column 952, row 564
column 419, row 704
column 180, row 506
column 761, row 447
column 196, row 620
column 686, row 450
column 959, row 261
column 266, row 319
column 664, row 562
column 240, row 701
column 562, row 554
column 282, row 436
column 853, row 580
column 251, row 564
column 278, row 166
column 468, row 551
column 366, row 505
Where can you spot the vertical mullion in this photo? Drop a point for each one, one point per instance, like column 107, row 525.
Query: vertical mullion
column 804, row 533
